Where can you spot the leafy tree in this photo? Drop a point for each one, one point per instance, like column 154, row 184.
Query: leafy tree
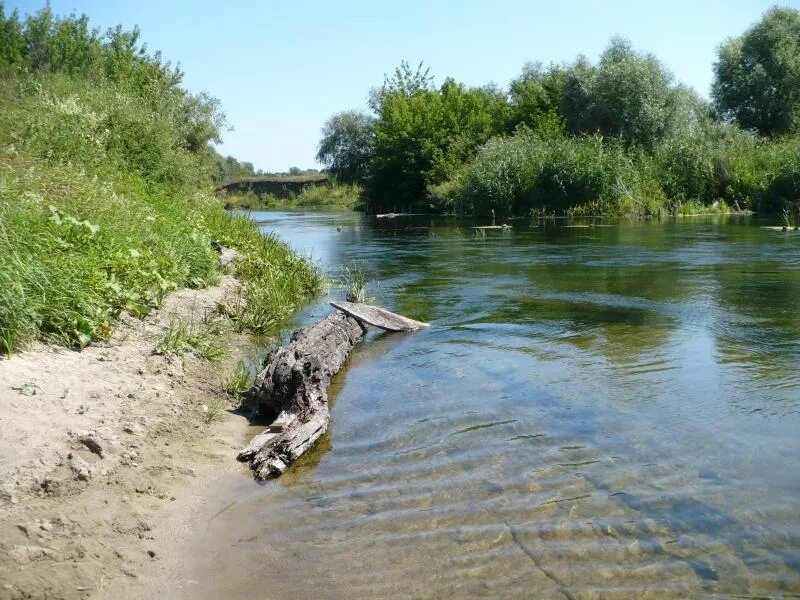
column 12, row 41
column 535, row 97
column 628, row 95
column 133, row 111
column 404, row 81
column 346, row 145
column 757, row 76
column 423, row 134
column 227, row 168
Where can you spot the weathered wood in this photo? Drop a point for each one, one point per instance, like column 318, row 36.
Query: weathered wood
column 379, row 317
column 395, row 215
column 491, row 227
column 294, row 386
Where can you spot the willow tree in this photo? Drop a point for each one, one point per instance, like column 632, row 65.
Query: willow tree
column 346, row 145
column 757, row 76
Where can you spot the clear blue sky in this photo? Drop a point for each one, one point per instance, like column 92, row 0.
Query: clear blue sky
column 282, row 68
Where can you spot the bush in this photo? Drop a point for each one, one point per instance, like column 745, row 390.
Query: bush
column 102, row 156
column 523, row 173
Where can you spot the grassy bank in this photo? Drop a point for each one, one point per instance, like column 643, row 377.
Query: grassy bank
column 335, row 195
column 103, row 168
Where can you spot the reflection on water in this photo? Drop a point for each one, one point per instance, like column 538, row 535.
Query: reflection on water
column 594, row 412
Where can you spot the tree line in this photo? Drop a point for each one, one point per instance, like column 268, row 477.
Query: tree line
column 617, row 136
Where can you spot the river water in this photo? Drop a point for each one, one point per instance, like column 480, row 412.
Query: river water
column 605, row 411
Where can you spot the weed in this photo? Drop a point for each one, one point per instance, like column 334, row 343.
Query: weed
column 216, row 409
column 238, row 381
column 100, row 208
column 175, row 340
column 183, row 335
column 354, row 280
column 206, row 338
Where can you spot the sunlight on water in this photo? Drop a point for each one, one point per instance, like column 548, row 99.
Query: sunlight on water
column 602, row 412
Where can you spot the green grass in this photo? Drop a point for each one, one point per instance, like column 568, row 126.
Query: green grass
column 238, row 381
column 175, row 341
column 183, row 335
column 308, row 178
column 98, row 217
column 216, row 410
column 354, row 280
column 716, row 168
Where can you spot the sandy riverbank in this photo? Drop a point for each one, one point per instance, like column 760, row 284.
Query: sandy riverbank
column 105, row 453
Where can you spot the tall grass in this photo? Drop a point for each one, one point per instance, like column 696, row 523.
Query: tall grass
column 101, row 211
column 714, row 164
column 722, row 164
column 525, row 172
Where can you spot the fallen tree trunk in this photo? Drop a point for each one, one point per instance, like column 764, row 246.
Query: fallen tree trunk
column 294, row 389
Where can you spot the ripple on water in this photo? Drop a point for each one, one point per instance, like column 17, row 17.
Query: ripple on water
column 611, row 415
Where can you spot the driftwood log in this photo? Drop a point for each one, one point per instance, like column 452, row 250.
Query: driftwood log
column 294, row 388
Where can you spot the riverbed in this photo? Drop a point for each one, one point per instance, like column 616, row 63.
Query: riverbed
column 597, row 410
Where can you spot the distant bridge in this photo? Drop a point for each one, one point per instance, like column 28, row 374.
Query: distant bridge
column 281, row 187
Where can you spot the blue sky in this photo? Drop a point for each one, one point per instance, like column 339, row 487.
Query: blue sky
column 282, row 68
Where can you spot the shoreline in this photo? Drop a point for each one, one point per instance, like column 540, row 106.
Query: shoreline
column 106, row 453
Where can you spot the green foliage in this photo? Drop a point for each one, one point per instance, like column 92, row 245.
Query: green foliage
column 184, row 335
column 215, row 411
column 757, row 76
column 238, row 381
column 335, row 194
column 277, row 279
column 103, row 100
column 628, row 95
column 338, row 194
column 354, row 280
column 346, row 145
column 712, row 164
column 526, row 172
column 101, row 157
column 227, row 168
column 423, row 134
column 535, row 98
column 175, row 341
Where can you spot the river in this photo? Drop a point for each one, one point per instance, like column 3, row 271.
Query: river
column 603, row 411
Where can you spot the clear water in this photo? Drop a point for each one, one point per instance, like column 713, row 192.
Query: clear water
column 606, row 411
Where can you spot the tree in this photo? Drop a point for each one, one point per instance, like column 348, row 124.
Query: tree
column 423, row 134
column 12, row 41
column 535, row 97
column 346, row 145
column 627, row 95
column 757, row 76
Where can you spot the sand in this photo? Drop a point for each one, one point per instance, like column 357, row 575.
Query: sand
column 105, row 453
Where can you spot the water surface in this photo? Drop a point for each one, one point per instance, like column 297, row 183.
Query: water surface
column 605, row 411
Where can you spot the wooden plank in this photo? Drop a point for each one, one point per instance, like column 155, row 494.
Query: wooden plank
column 492, row 227
column 379, row 317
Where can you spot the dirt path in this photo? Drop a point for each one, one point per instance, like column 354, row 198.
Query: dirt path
column 105, row 452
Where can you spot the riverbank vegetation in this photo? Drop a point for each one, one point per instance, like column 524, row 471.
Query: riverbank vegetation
column 105, row 175
column 620, row 136
column 328, row 195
